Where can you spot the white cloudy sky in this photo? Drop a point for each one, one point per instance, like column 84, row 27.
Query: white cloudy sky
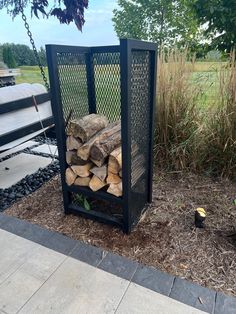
column 98, row 29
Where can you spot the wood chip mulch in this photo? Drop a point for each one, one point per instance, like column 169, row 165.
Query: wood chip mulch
column 165, row 237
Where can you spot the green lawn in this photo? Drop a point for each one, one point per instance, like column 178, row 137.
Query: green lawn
column 204, row 76
column 29, row 74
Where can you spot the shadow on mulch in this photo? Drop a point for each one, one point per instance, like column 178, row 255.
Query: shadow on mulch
column 165, row 237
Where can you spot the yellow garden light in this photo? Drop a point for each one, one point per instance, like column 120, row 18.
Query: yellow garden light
column 200, row 216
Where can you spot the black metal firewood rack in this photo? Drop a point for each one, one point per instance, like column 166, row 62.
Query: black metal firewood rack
column 119, row 82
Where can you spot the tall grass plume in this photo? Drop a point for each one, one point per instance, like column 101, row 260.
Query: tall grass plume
column 220, row 147
column 176, row 114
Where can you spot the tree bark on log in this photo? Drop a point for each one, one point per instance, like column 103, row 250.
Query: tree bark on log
column 96, row 184
column 87, row 126
column 115, row 189
column 100, row 150
column 100, row 172
column 82, row 171
column 84, row 151
column 70, row 176
column 73, row 159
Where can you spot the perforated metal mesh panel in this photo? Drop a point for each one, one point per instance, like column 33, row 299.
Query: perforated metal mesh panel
column 140, row 127
column 73, row 84
column 107, row 84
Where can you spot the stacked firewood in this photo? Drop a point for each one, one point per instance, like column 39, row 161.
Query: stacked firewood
column 94, row 154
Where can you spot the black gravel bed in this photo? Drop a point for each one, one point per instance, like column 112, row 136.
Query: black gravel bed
column 28, row 150
column 27, row 185
column 32, row 182
column 42, row 140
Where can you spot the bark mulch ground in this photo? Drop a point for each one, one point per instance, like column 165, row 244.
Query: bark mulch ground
column 165, row 237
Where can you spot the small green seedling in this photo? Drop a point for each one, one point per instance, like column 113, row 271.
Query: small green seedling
column 82, row 201
column 86, row 204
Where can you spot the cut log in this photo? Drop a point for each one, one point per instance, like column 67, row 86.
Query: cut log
column 82, row 171
column 84, row 151
column 115, row 158
column 73, row 143
column 113, row 178
column 96, row 184
column 115, row 189
column 70, row 176
column 73, row 159
column 100, row 150
column 87, row 126
column 115, row 161
column 100, row 172
column 82, row 181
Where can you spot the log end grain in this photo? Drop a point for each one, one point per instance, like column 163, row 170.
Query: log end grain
column 70, row 176
column 96, row 184
column 115, row 189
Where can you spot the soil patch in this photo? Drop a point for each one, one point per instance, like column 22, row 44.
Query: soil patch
column 165, row 237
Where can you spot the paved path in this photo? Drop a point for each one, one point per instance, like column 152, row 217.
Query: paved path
column 17, row 167
column 43, row 271
column 35, row 279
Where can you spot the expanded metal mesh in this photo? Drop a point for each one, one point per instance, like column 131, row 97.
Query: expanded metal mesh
column 73, row 84
column 90, row 81
column 140, row 127
column 107, row 84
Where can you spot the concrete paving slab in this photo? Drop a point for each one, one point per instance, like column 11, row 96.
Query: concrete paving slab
column 14, row 252
column 118, row 265
column 76, row 287
column 18, row 148
column 60, row 243
column 16, row 168
column 37, row 234
column 25, row 229
column 88, row 254
column 193, row 295
column 153, row 279
column 22, row 284
column 225, row 304
column 138, row 299
column 46, row 149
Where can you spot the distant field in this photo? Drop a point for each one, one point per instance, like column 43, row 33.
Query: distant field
column 29, row 74
column 204, row 76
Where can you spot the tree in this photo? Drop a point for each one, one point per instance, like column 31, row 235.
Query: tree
column 8, row 57
column 73, row 10
column 163, row 21
column 42, row 56
column 23, row 55
column 219, row 19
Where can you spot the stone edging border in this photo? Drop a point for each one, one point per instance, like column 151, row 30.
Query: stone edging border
column 174, row 287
